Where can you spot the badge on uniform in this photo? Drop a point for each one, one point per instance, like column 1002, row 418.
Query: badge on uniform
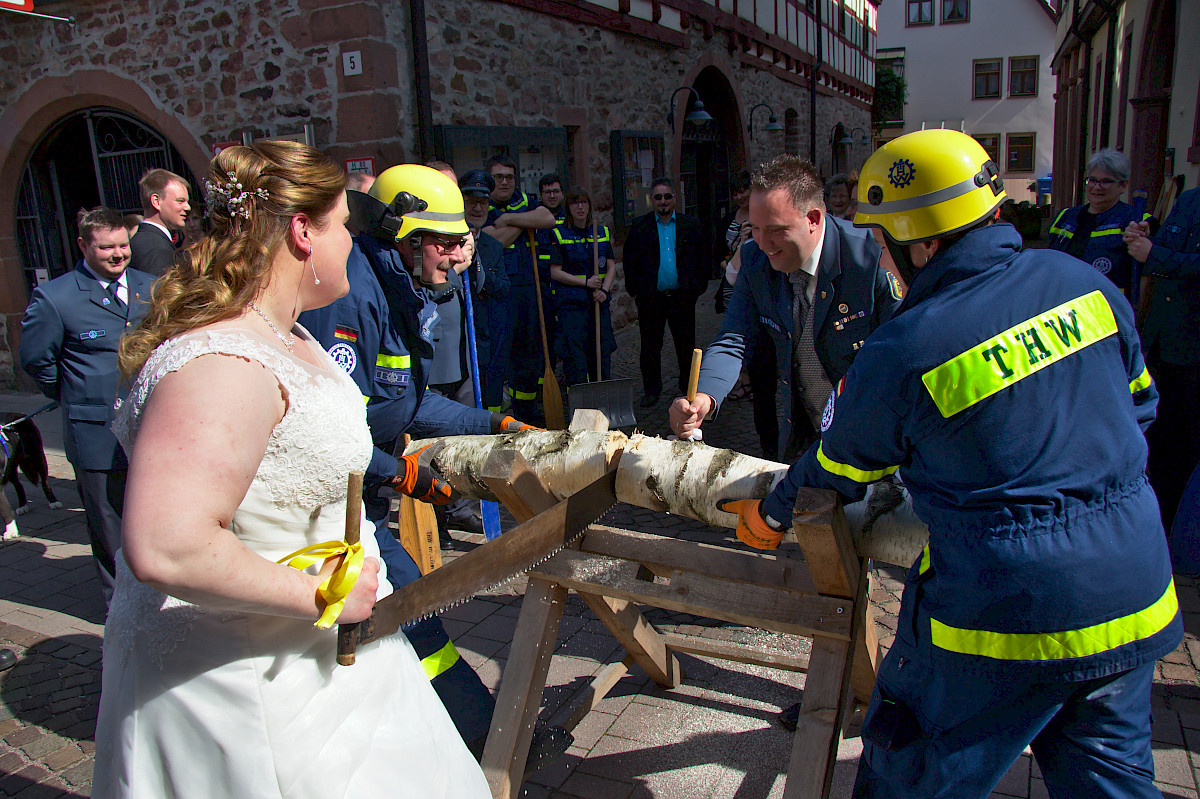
column 91, row 334
column 894, row 286
column 345, row 333
column 843, row 308
column 827, row 414
column 344, row 356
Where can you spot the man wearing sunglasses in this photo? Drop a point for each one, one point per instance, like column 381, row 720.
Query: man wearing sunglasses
column 667, row 268
column 411, row 233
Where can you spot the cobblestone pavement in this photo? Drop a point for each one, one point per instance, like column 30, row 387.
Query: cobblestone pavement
column 713, row 737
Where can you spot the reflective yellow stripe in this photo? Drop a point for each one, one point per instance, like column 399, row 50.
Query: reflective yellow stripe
column 1116, row 231
column 1067, row 644
column 494, row 407
column 1143, row 382
column 926, row 560
column 393, row 361
column 524, row 395
column 1055, row 230
column 1018, row 352
column 440, row 661
column 844, row 470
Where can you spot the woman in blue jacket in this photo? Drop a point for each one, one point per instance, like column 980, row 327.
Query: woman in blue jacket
column 582, row 267
column 1093, row 232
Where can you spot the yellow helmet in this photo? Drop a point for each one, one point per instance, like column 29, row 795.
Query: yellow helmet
column 411, row 198
column 927, row 184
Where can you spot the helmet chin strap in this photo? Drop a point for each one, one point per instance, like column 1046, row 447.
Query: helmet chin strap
column 903, row 260
column 418, row 268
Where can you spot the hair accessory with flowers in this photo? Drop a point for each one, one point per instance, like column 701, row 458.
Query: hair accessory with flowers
column 232, row 196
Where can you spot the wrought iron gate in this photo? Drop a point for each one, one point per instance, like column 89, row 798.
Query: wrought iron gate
column 119, row 149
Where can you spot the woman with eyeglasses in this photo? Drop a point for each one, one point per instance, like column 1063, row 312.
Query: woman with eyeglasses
column 582, row 265
column 1093, row 232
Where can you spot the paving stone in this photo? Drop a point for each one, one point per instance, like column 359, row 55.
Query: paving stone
column 1171, row 766
column 62, row 758
column 23, row 736
column 589, row 786
column 1015, row 781
column 19, row 780
column 79, row 774
column 1165, row 727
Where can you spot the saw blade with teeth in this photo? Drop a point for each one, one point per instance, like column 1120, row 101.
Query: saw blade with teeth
column 492, row 564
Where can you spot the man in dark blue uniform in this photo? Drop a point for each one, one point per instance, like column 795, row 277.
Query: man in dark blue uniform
column 69, row 344
column 1037, row 611
column 513, row 217
column 490, row 278
column 1171, row 340
column 846, row 294
column 411, row 234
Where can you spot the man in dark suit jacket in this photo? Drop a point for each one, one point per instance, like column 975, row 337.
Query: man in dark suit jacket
column 665, row 284
column 1171, row 342
column 165, row 205
column 797, row 243
column 69, row 344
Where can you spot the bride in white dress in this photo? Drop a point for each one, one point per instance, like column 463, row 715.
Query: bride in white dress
column 216, row 681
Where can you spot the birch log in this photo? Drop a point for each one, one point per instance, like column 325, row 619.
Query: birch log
column 687, row 479
column 677, row 477
column 565, row 461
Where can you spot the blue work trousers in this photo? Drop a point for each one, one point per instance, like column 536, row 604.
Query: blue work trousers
column 466, row 698
column 577, row 323
column 1090, row 738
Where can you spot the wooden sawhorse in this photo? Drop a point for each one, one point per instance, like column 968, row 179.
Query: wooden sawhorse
column 613, row 570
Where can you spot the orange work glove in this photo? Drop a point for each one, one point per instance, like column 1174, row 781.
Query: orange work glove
column 416, row 478
column 507, row 424
column 752, row 529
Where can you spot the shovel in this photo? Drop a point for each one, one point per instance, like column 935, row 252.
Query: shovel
column 613, row 398
column 552, row 404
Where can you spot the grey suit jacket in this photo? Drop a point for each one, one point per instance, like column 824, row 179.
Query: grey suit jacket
column 69, row 344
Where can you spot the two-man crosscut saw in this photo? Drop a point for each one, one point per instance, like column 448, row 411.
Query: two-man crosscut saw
column 493, row 563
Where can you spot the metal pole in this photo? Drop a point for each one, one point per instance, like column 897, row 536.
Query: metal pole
column 69, row 20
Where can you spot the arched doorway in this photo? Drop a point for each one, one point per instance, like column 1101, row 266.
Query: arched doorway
column 91, row 157
column 1152, row 105
column 710, row 152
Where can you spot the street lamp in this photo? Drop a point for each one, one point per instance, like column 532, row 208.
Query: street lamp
column 772, row 122
column 697, row 114
column 848, row 138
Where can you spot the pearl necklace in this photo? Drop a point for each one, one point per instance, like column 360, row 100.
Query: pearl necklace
column 288, row 341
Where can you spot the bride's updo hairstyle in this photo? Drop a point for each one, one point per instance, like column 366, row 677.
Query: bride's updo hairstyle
column 251, row 194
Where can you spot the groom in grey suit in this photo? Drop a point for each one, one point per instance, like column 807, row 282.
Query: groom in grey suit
column 69, row 344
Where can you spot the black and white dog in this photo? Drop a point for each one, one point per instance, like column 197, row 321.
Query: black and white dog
column 21, row 450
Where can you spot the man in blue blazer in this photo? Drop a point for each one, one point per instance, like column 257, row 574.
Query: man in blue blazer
column 69, row 344
column 797, row 246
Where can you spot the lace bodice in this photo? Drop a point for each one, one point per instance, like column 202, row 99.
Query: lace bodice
column 323, row 434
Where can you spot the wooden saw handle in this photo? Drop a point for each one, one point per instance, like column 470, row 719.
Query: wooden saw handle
column 348, row 633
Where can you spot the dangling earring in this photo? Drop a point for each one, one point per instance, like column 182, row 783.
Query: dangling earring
column 316, row 279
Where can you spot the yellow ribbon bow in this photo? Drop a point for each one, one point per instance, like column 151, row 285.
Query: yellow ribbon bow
column 334, row 590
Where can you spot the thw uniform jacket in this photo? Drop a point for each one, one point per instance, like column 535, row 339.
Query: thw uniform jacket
column 381, row 334
column 1017, row 426
column 69, row 341
column 1105, row 249
column 854, row 295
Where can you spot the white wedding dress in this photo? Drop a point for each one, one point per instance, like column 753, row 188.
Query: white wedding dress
column 205, row 703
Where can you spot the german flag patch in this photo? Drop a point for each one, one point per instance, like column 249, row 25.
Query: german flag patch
column 345, row 333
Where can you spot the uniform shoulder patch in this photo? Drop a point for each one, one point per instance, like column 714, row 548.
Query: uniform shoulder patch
column 827, row 414
column 894, row 287
column 1103, row 265
column 343, row 355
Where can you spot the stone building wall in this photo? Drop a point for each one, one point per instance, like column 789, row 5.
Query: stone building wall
column 204, row 71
